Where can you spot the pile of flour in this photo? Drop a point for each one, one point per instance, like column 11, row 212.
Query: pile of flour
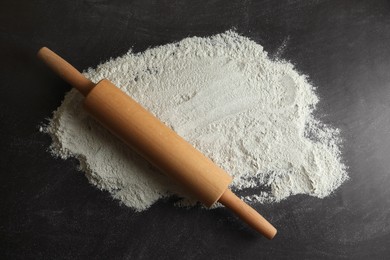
column 251, row 115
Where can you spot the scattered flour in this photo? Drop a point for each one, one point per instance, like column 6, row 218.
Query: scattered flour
column 251, row 115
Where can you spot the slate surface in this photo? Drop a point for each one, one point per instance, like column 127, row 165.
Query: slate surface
column 49, row 211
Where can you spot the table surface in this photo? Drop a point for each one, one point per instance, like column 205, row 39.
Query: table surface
column 49, row 210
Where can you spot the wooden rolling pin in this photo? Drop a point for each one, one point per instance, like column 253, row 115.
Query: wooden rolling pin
column 142, row 131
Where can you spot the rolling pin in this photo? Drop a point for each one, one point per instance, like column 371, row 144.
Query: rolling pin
column 156, row 142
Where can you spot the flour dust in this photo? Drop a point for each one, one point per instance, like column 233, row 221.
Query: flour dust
column 251, row 115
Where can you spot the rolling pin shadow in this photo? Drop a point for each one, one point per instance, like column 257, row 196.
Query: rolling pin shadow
column 156, row 142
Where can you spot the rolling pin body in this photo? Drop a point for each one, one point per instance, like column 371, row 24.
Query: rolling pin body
column 137, row 127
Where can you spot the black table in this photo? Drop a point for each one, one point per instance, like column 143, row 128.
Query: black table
column 49, row 210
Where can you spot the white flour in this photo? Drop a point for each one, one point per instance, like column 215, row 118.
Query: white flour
column 251, row 115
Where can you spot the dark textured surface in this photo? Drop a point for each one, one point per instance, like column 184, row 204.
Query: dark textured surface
column 49, row 211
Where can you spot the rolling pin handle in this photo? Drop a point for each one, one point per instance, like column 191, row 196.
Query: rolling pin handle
column 65, row 71
column 247, row 214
